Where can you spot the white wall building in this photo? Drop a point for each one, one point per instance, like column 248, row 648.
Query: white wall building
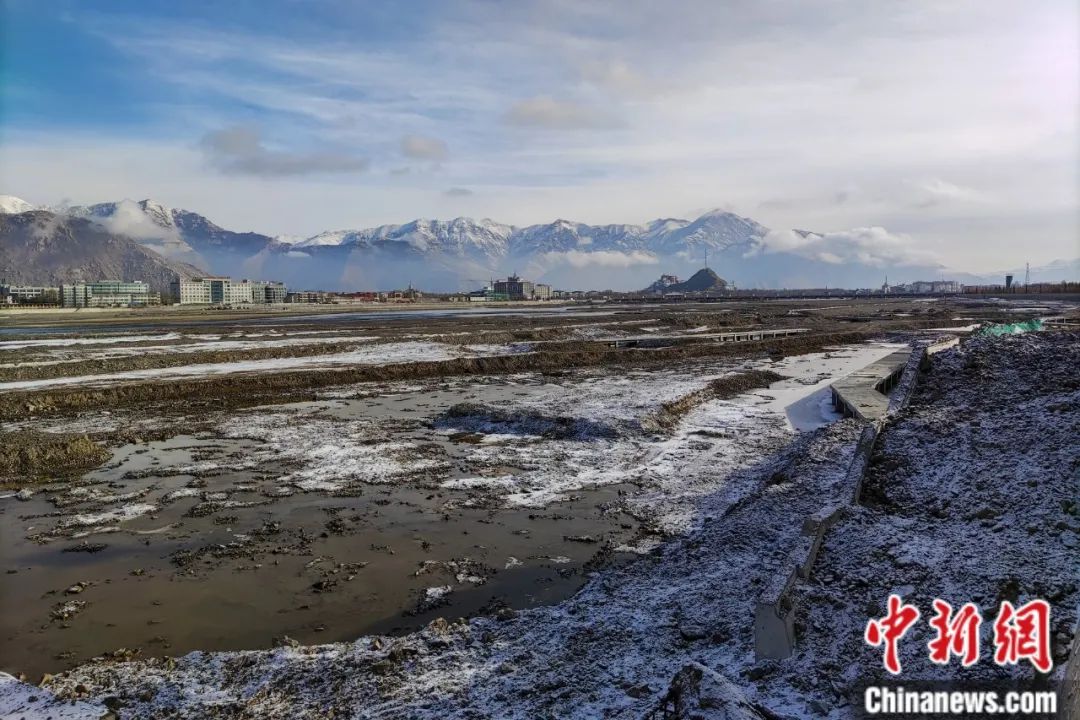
column 226, row 291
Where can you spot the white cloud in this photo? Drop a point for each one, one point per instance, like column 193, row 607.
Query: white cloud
column 547, row 112
column 935, row 191
column 240, row 150
column 129, row 219
column 799, row 116
column 618, row 78
column 602, row 258
column 873, row 246
column 419, row 147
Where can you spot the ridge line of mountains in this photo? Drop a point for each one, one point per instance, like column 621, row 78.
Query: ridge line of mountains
column 147, row 240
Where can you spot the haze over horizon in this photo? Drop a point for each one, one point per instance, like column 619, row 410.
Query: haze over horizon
column 951, row 125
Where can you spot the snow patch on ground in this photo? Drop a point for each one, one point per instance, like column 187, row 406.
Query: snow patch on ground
column 384, row 354
column 329, row 453
column 108, row 517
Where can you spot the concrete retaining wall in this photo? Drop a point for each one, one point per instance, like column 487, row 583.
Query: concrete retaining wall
column 774, row 612
column 646, row 341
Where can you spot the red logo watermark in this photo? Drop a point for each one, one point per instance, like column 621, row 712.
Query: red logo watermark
column 1020, row 633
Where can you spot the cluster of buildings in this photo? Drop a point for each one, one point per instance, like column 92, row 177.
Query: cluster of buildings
column 923, row 287
column 101, row 293
column 513, row 288
column 226, row 291
column 29, row 295
column 223, row 291
column 322, row 297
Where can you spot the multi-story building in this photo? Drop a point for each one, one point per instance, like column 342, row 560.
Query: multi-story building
column 934, row 286
column 37, row 294
column 410, row 294
column 194, row 291
column 310, row 297
column 925, row 287
column 542, row 292
column 235, row 292
column 268, row 292
column 515, row 288
column 108, row 293
column 226, row 291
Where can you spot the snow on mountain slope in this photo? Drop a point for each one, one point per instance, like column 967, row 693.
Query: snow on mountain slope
column 461, row 237
column 42, row 247
column 179, row 234
column 442, row 255
column 184, row 232
column 716, row 230
column 11, row 205
column 565, row 236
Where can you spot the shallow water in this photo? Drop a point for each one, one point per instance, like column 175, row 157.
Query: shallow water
column 263, row 585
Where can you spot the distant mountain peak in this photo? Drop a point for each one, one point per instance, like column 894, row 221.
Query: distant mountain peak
column 11, row 205
column 47, row 248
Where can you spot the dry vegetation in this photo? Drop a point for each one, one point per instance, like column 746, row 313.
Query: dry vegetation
column 29, row 455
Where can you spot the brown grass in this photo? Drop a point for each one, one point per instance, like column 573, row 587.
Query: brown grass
column 27, row 455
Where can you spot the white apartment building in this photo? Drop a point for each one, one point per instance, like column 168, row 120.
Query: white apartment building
column 108, row 293
column 226, row 291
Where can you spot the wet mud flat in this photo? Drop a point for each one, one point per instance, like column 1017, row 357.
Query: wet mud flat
column 217, row 542
column 375, row 508
column 613, row 648
column 322, row 505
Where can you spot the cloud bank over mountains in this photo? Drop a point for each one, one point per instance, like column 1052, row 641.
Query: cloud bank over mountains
column 463, row 253
column 284, row 119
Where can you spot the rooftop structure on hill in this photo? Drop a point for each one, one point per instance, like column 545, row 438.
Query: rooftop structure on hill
column 704, row 281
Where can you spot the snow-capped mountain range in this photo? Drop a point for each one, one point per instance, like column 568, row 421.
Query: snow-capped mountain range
column 716, row 230
column 461, row 253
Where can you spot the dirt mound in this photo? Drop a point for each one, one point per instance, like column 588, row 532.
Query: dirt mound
column 486, row 420
column 736, row 384
column 26, row 455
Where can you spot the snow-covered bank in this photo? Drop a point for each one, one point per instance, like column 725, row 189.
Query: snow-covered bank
column 971, row 496
column 384, row 354
column 58, row 357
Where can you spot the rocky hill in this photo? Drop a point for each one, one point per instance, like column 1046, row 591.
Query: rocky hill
column 704, row 280
column 40, row 247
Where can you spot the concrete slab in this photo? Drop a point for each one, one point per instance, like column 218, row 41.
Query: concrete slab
column 864, row 393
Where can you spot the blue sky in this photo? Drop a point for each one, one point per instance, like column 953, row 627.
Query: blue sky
column 951, row 124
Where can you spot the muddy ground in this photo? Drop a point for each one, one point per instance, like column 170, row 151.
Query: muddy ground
column 613, row 648
column 242, row 510
column 346, row 348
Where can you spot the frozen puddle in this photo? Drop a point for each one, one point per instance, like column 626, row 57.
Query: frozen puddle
column 804, row 398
